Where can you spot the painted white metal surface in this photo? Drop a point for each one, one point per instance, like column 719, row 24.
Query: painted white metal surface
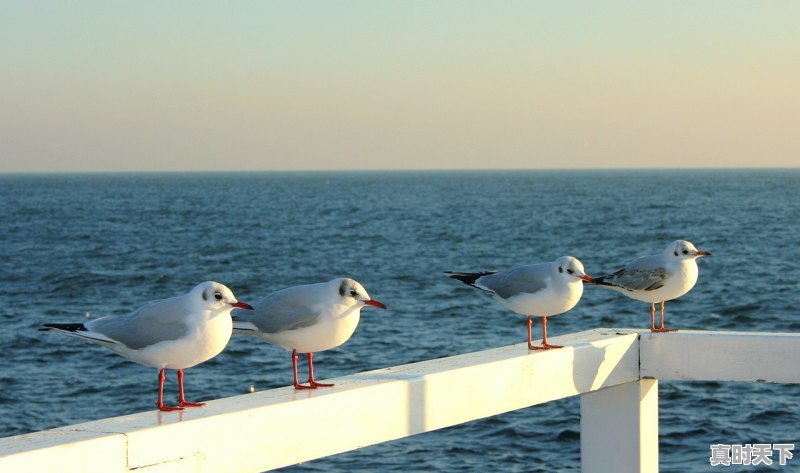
column 64, row 451
column 275, row 428
column 619, row 428
column 270, row 429
column 721, row 356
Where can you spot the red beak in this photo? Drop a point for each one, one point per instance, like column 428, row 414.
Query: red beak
column 242, row 305
column 587, row 278
column 703, row 253
column 375, row 303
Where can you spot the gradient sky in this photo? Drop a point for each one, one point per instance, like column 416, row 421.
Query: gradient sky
column 152, row 86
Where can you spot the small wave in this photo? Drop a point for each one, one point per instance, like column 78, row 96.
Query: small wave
column 772, row 416
column 744, row 309
column 569, row 434
column 681, row 434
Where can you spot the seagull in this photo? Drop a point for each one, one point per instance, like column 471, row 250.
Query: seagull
column 307, row 319
column 657, row 278
column 541, row 290
column 174, row 333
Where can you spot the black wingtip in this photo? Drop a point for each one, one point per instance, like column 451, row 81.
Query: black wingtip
column 599, row 281
column 469, row 278
column 466, row 278
column 64, row 327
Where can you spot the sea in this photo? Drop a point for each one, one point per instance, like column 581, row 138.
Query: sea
column 79, row 246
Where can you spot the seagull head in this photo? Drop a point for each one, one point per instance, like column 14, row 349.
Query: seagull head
column 217, row 297
column 353, row 293
column 684, row 250
column 570, row 267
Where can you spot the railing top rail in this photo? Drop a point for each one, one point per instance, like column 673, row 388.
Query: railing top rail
column 266, row 430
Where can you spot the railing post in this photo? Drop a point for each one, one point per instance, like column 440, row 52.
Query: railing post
column 619, row 428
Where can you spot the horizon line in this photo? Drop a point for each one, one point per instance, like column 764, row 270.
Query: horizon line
column 395, row 170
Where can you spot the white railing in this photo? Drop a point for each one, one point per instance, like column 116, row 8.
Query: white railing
column 616, row 372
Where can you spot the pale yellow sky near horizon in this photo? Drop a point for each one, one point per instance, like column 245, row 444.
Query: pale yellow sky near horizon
column 199, row 86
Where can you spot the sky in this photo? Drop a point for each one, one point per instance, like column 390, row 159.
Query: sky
column 107, row 86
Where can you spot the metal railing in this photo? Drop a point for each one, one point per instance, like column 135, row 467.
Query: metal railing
column 615, row 371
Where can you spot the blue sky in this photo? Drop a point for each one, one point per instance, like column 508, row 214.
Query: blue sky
column 165, row 86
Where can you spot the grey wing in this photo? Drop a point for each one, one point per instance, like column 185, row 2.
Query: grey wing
column 156, row 322
column 281, row 311
column 642, row 274
column 525, row 279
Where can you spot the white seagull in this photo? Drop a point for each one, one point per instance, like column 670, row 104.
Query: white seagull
column 307, row 319
column 657, row 278
column 174, row 333
column 541, row 290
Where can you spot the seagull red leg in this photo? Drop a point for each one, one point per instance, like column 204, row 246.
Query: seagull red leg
column 182, row 398
column 311, row 381
column 160, row 403
column 653, row 317
column 662, row 328
column 531, row 346
column 546, row 345
column 297, row 384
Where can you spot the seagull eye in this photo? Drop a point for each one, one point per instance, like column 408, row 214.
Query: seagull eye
column 217, row 296
column 685, row 252
column 560, row 269
column 570, row 271
column 353, row 293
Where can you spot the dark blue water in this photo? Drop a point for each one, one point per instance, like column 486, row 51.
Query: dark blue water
column 78, row 246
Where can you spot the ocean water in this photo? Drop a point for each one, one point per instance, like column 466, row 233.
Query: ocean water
column 81, row 246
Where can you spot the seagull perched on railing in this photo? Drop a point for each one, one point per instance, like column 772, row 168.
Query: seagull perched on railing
column 657, row 278
column 541, row 290
column 175, row 333
column 307, row 319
